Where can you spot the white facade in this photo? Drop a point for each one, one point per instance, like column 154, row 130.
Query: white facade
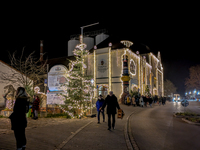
column 6, row 69
column 106, row 66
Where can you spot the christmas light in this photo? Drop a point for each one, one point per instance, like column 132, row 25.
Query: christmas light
column 79, row 89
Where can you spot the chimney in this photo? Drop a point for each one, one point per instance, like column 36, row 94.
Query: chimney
column 41, row 50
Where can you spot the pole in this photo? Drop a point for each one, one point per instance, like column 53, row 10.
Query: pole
column 86, row 27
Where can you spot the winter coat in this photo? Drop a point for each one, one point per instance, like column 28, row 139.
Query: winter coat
column 99, row 103
column 133, row 101
column 112, row 104
column 18, row 117
column 150, row 100
column 36, row 104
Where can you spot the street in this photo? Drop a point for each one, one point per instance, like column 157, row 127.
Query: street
column 152, row 128
column 157, row 129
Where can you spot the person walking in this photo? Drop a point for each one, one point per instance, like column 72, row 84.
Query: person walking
column 36, row 107
column 99, row 104
column 133, row 101
column 112, row 104
column 18, row 118
column 150, row 101
column 141, row 101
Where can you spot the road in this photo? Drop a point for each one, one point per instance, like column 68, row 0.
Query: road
column 156, row 128
column 152, row 128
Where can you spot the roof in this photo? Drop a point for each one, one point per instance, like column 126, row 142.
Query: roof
column 115, row 40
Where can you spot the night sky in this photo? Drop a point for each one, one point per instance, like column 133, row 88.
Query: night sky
column 174, row 32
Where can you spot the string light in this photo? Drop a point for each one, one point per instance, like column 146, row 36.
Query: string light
column 78, row 91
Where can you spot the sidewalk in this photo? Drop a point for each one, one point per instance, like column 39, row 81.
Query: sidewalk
column 48, row 134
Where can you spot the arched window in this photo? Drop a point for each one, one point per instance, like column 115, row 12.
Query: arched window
column 132, row 67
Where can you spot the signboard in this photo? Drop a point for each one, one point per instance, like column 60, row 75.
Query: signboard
column 184, row 103
column 54, row 98
column 102, row 65
column 57, row 77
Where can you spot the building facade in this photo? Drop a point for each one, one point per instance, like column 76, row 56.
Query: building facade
column 106, row 66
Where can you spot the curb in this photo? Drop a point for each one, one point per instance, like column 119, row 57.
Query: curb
column 190, row 122
column 130, row 142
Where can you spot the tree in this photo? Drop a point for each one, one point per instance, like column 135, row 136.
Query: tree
column 79, row 87
column 169, row 87
column 193, row 82
column 28, row 72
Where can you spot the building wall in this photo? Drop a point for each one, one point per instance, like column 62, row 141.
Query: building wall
column 148, row 70
column 4, row 68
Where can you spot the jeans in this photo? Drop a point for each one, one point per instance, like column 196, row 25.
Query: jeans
column 20, row 137
column 98, row 115
column 109, row 120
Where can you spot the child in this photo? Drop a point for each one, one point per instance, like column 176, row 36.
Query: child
column 99, row 104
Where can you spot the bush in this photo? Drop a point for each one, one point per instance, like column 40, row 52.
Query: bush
column 196, row 120
column 186, row 114
column 60, row 115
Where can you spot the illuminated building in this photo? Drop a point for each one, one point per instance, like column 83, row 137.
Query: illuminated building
column 106, row 64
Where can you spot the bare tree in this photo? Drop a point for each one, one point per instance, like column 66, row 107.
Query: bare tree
column 169, row 87
column 193, row 82
column 26, row 72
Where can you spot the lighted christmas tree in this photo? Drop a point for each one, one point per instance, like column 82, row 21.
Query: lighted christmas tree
column 79, row 88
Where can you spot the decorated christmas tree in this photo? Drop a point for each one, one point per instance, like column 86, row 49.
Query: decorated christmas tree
column 79, row 89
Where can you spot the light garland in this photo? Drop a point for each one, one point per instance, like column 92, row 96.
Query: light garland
column 78, row 91
column 110, row 72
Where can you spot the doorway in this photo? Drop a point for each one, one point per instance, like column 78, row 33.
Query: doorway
column 103, row 90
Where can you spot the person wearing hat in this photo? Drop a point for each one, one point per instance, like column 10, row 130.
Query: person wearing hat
column 99, row 104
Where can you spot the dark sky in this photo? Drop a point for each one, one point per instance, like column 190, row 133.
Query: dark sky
column 172, row 30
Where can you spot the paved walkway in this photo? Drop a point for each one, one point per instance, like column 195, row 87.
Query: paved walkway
column 49, row 134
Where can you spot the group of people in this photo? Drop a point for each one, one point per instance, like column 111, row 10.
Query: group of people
column 21, row 107
column 145, row 100
column 111, row 103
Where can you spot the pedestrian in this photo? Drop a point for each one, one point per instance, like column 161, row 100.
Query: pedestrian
column 141, row 101
column 150, row 101
column 99, row 104
column 18, row 117
column 160, row 100
column 145, row 101
column 112, row 104
column 32, row 111
column 133, row 101
column 36, row 107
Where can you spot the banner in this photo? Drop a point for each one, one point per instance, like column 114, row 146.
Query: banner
column 102, row 65
column 55, row 99
column 57, row 77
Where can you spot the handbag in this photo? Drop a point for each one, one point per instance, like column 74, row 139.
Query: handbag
column 120, row 114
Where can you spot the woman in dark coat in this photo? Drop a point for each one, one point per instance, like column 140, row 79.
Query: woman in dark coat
column 112, row 104
column 18, row 118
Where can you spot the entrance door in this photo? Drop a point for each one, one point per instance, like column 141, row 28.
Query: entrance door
column 103, row 90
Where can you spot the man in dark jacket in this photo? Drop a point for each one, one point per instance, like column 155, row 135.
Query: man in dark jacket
column 112, row 104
